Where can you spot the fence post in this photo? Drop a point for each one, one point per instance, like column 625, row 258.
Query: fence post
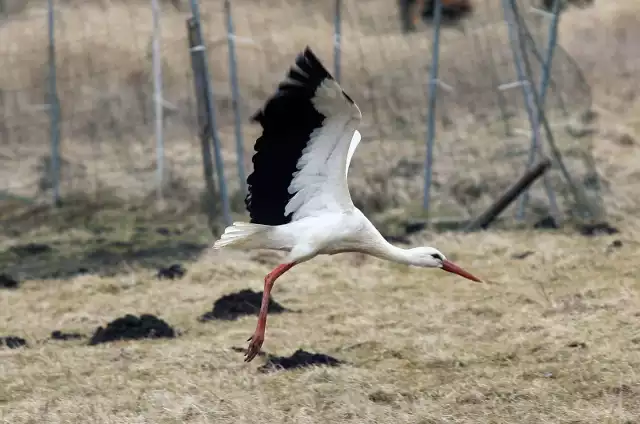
column 542, row 91
column 580, row 196
column 158, row 100
column 212, row 129
column 524, row 80
column 538, row 55
column 431, row 110
column 54, row 107
column 235, row 93
column 195, row 46
column 337, row 40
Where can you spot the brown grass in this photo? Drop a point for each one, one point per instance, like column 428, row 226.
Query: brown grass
column 549, row 338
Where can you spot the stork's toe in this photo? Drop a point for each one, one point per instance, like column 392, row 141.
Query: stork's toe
column 254, row 347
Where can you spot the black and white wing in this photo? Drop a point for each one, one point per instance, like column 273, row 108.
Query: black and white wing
column 301, row 159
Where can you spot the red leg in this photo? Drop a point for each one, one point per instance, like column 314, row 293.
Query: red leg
column 258, row 336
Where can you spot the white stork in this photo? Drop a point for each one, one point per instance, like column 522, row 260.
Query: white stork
column 298, row 197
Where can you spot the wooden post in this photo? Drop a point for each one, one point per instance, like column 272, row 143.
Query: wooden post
column 485, row 219
column 203, row 119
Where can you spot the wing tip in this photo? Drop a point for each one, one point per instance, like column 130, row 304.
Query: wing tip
column 307, row 52
column 305, row 59
column 311, row 59
column 315, row 62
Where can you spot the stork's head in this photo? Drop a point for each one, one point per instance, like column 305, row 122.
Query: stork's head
column 429, row 257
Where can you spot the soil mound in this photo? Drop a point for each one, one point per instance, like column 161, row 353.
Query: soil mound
column 131, row 327
column 299, row 359
column 8, row 282
column 244, row 302
column 173, row 272
column 61, row 335
column 12, row 342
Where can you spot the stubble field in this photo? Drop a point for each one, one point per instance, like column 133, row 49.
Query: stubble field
column 551, row 336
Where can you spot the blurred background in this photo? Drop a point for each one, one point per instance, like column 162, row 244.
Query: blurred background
column 98, row 104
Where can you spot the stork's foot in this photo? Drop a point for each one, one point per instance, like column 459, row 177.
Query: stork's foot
column 254, row 347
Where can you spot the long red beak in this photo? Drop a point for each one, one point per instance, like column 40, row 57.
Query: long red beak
column 451, row 267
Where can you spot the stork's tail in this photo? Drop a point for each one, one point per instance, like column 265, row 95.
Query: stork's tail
column 241, row 234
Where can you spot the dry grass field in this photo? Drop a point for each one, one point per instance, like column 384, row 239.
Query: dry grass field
column 552, row 336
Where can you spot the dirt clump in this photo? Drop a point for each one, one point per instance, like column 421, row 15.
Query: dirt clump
column 61, row 335
column 12, row 342
column 173, row 272
column 299, row 359
column 8, row 282
column 131, row 327
column 245, row 302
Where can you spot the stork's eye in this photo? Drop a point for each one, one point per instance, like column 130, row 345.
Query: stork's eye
column 437, row 256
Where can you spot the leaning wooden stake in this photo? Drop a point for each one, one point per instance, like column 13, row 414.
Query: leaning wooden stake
column 203, row 122
column 485, row 219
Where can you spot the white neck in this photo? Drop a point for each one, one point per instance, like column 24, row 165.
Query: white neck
column 388, row 251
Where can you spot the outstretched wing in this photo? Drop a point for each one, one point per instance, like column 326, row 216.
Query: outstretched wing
column 308, row 137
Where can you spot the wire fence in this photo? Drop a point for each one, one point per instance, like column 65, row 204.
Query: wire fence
column 129, row 125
